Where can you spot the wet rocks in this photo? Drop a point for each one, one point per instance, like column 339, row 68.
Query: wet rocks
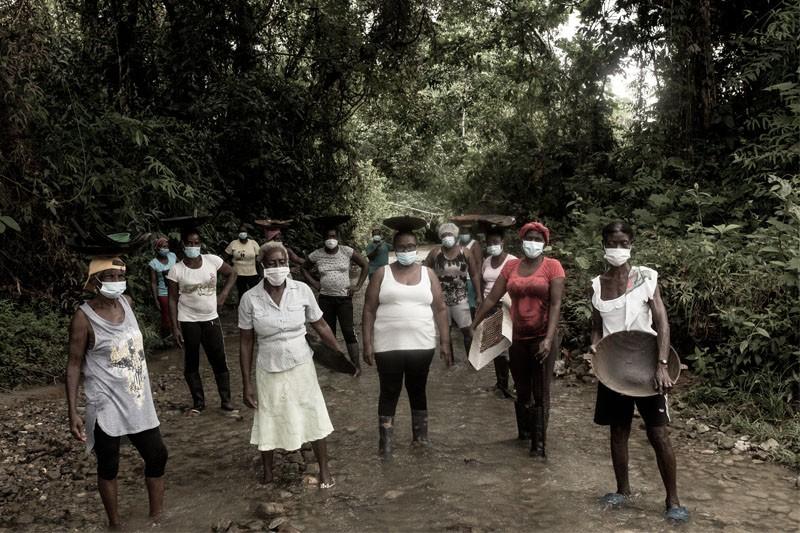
column 769, row 445
column 269, row 510
column 393, row 494
column 725, row 442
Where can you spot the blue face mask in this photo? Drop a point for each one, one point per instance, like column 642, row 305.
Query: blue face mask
column 191, row 251
column 465, row 238
column 243, row 236
column 407, row 258
column 164, row 252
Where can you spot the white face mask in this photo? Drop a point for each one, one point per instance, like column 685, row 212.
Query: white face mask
column 112, row 289
column 449, row 241
column 243, row 236
column 617, row 256
column 377, row 238
column 407, row 258
column 276, row 276
column 532, row 249
column 330, row 244
column 191, row 251
column 494, row 249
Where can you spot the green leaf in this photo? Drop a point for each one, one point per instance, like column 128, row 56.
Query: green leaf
column 10, row 222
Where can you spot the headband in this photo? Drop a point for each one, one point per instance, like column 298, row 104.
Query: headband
column 535, row 226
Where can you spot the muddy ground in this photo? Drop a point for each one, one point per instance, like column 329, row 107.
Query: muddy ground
column 475, row 478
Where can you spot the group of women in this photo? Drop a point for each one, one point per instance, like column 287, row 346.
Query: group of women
column 408, row 309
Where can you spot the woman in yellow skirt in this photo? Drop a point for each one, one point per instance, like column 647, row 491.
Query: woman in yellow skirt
column 290, row 409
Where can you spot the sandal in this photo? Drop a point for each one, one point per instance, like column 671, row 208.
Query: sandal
column 328, row 485
column 613, row 499
column 677, row 513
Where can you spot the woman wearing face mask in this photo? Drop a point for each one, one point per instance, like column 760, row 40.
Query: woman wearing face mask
column 627, row 298
column 335, row 293
column 403, row 308
column 290, row 409
column 193, row 303
column 466, row 241
column 377, row 252
column 243, row 253
column 105, row 343
column 159, row 267
column 453, row 265
column 536, row 285
column 496, row 259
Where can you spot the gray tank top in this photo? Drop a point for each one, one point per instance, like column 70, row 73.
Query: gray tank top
column 116, row 383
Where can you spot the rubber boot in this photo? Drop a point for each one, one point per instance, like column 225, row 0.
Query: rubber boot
column 386, row 431
column 538, row 437
column 352, row 351
column 419, row 427
column 501, row 372
column 195, row 383
column 523, row 421
column 224, row 388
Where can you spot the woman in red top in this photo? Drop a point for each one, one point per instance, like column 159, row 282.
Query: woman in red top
column 536, row 285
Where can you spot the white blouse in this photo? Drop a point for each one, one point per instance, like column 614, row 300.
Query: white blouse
column 630, row 311
column 280, row 330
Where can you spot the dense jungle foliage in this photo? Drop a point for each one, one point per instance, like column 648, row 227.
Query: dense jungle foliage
column 117, row 112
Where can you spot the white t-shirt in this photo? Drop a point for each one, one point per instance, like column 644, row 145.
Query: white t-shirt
column 280, row 330
column 334, row 270
column 630, row 311
column 197, row 288
column 244, row 256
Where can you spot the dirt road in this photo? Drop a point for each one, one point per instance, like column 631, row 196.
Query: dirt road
column 475, row 478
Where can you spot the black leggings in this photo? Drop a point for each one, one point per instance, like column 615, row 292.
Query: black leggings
column 339, row 308
column 149, row 444
column 532, row 378
column 209, row 335
column 392, row 367
column 245, row 283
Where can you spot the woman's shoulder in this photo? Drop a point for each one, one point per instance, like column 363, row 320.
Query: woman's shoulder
column 509, row 267
column 213, row 259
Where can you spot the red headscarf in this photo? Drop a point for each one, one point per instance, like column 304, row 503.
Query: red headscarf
column 535, row 226
column 161, row 242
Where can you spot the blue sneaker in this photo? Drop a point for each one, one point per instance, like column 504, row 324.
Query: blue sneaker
column 613, row 499
column 677, row 513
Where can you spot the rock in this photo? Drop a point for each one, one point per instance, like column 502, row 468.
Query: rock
column 269, row 510
column 769, row 445
column 780, row 509
column 310, row 480
column 560, row 368
column 277, row 522
column 392, row 494
column 707, row 452
column 284, row 494
column 726, row 443
column 760, row 494
column 795, row 516
column 728, row 462
column 253, row 525
column 741, row 445
column 701, row 428
column 702, row 496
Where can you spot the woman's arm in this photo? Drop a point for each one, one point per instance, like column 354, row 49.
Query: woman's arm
column 661, row 382
column 172, row 288
column 371, row 301
column 226, row 270
column 78, row 341
column 325, row 334
column 358, row 259
column 553, row 316
column 497, row 292
column 154, row 288
column 441, row 319
column 246, row 343
column 597, row 324
column 475, row 275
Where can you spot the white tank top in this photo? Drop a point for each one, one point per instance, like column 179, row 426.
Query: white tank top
column 404, row 318
column 490, row 274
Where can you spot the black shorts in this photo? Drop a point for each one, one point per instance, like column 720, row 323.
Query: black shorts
column 615, row 409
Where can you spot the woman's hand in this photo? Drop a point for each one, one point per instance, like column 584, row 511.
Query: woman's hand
column 662, row 382
column 544, row 349
column 178, row 336
column 446, row 354
column 369, row 354
column 221, row 299
column 76, row 427
column 249, row 398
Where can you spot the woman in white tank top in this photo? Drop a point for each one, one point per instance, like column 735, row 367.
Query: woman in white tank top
column 496, row 259
column 403, row 307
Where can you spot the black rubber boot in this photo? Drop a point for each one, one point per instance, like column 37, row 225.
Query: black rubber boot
column 419, row 427
column 195, row 383
column 352, row 352
column 523, row 421
column 224, row 388
column 538, row 437
column 386, row 431
column 501, row 372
